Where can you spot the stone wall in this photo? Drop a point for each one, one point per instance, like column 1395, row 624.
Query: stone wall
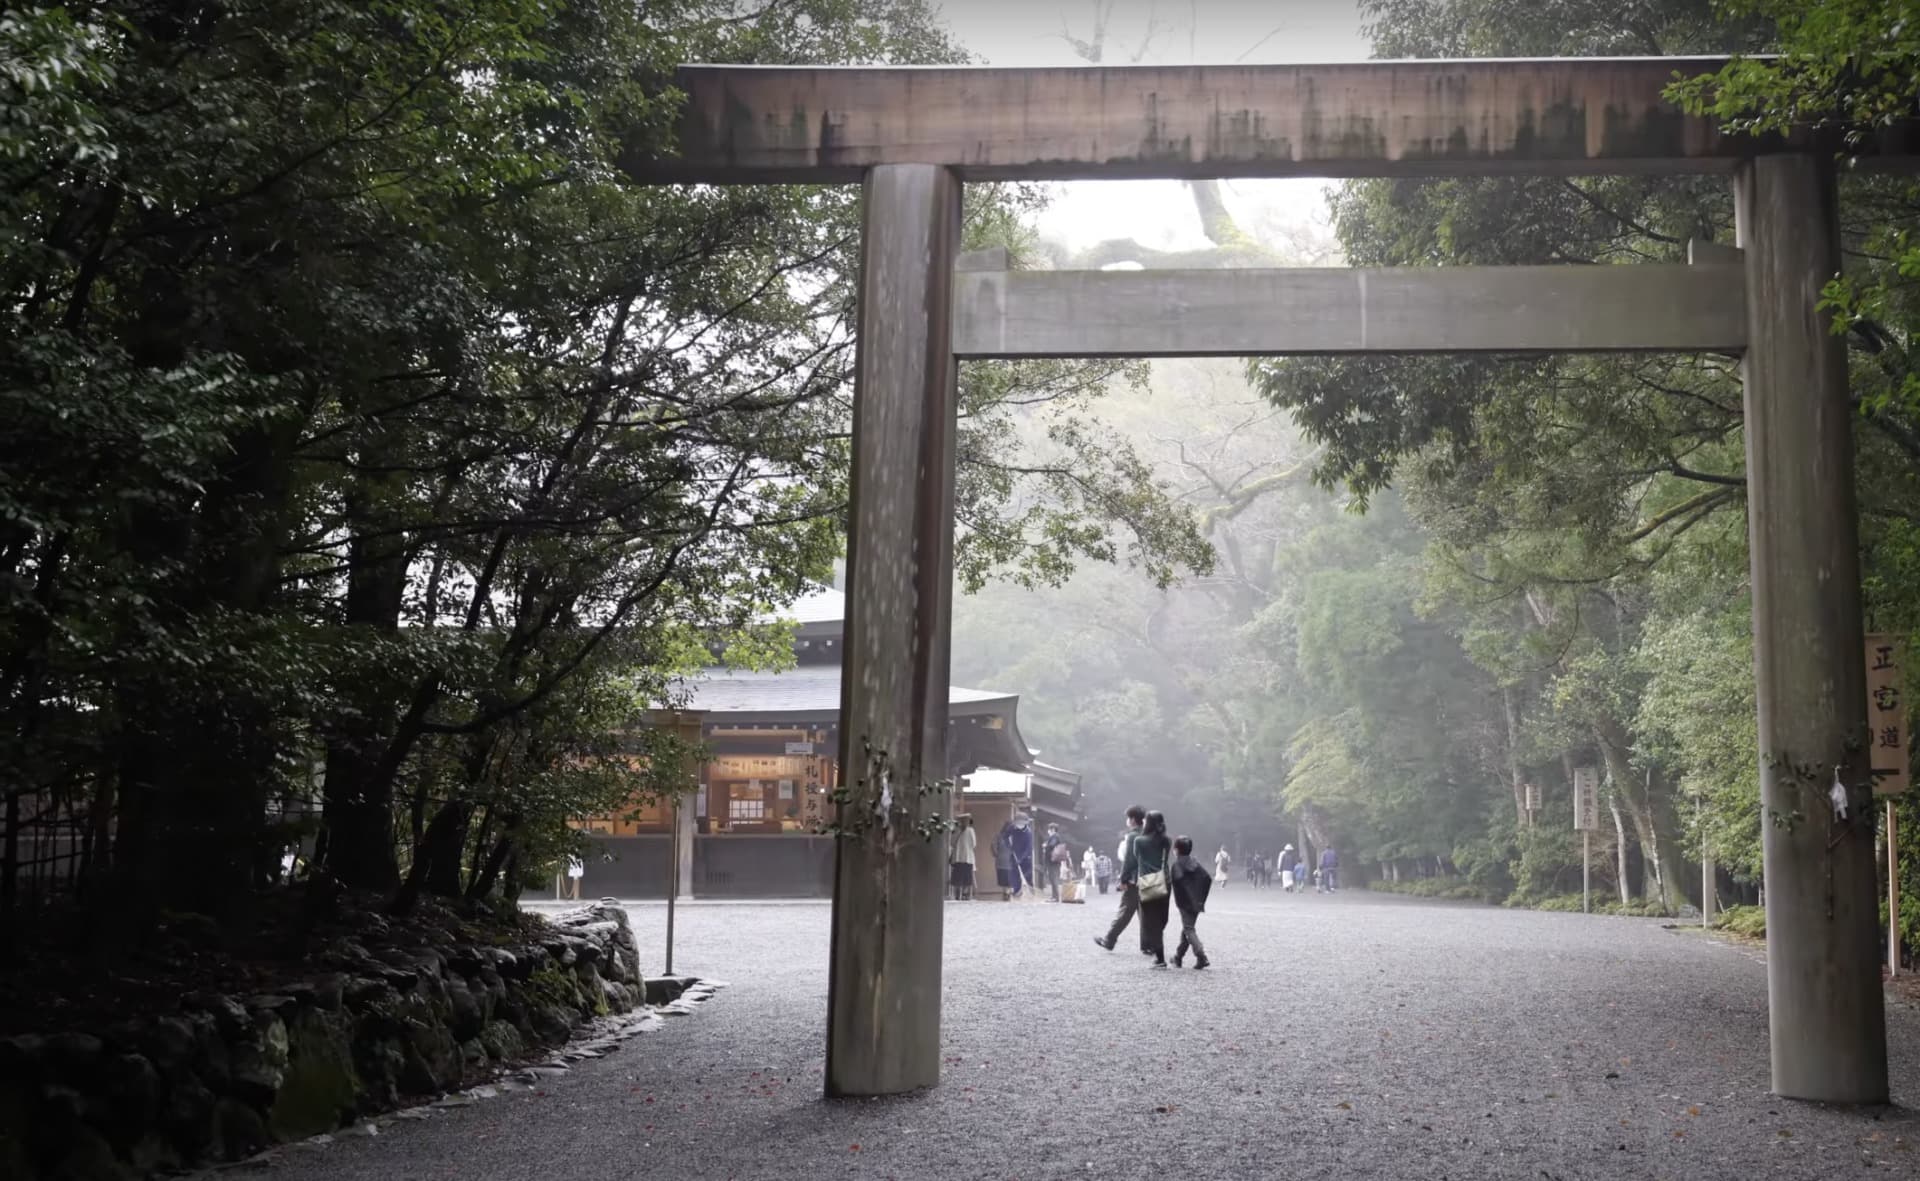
column 227, row 1075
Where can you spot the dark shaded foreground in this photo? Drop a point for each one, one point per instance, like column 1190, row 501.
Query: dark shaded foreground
column 1347, row 1036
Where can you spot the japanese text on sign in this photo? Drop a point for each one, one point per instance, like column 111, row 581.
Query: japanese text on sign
column 1586, row 798
column 1887, row 713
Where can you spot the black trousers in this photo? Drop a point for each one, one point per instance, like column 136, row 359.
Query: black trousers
column 1153, row 927
column 1129, row 902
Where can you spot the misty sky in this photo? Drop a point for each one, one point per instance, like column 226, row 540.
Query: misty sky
column 1185, row 32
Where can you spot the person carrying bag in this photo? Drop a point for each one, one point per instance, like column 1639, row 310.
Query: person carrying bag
column 1149, row 860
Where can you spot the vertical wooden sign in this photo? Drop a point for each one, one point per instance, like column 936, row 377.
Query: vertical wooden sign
column 1586, row 798
column 1887, row 713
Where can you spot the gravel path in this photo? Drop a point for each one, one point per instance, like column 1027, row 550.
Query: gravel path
column 1351, row 1036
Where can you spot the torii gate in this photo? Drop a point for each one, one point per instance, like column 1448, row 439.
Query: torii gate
column 913, row 136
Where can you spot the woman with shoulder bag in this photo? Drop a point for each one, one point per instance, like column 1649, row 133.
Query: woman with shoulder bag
column 1149, row 861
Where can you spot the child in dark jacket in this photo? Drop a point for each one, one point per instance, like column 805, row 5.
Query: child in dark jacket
column 1190, row 883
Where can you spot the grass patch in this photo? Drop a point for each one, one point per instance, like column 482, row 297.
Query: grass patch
column 1570, row 904
column 1747, row 921
column 1452, row 888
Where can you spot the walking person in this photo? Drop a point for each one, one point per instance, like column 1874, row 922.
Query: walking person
column 1102, row 870
column 1019, row 833
column 1190, row 887
column 1222, row 862
column 1329, row 870
column 1089, row 866
column 1289, row 868
column 1003, row 871
column 1151, row 859
column 1129, row 896
column 966, row 845
column 1055, row 857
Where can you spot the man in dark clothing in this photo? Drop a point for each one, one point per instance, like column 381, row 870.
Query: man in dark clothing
column 1190, row 883
column 1049, row 865
column 1329, row 870
column 1129, row 892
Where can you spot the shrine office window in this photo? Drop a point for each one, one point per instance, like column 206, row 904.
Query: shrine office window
column 753, row 808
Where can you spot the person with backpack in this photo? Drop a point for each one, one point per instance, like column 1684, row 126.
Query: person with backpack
column 1129, row 896
column 1190, row 888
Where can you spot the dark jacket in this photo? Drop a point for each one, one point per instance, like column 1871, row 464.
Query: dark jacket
column 1329, row 859
column 1191, row 883
column 1148, row 853
column 1289, row 860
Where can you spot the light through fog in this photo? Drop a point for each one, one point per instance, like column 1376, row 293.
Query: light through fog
column 1159, row 214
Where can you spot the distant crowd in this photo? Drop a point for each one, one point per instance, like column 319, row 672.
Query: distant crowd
column 1156, row 875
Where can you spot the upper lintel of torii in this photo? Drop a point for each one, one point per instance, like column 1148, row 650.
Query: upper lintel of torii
column 1435, row 117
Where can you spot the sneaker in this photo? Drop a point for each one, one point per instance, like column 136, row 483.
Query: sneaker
column 1102, row 944
column 1161, row 964
column 1199, row 964
column 1177, row 963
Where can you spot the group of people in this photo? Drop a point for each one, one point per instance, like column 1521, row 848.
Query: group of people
column 1159, row 874
column 1016, row 868
column 1295, row 873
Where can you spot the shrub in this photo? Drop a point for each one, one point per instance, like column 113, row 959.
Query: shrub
column 1750, row 921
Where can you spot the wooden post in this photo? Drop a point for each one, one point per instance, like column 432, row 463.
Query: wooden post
column 1826, row 1011
column 673, row 877
column 1893, row 890
column 1586, row 871
column 1709, row 873
column 883, row 991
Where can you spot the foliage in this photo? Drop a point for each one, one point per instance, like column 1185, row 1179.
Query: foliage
column 371, row 446
column 1750, row 921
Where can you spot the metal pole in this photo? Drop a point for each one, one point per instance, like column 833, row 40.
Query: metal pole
column 1586, row 871
column 673, row 876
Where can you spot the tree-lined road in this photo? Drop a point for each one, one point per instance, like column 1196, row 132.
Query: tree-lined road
column 1349, row 1036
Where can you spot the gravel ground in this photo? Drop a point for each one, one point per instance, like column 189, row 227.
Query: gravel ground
column 1348, row 1036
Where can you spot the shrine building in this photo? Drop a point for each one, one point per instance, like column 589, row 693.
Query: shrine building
column 752, row 829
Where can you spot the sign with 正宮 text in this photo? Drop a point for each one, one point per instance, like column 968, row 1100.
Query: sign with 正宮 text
column 1887, row 713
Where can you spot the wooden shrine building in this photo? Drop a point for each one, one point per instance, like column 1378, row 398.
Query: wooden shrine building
column 773, row 740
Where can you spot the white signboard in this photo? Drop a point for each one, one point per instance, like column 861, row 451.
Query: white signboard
column 786, row 789
column 1532, row 795
column 799, row 748
column 1887, row 714
column 1586, row 798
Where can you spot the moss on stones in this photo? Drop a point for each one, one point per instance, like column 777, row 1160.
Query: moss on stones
column 321, row 1085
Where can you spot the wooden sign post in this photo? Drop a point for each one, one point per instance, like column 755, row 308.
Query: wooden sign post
column 1586, row 818
column 1892, row 767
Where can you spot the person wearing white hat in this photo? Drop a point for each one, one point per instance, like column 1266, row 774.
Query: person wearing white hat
column 1289, row 868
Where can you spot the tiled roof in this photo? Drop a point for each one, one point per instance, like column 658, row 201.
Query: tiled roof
column 820, row 605
column 796, row 691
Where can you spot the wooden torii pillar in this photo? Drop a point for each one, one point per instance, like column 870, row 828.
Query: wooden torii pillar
column 1825, row 1006
column 912, row 136
column 883, row 991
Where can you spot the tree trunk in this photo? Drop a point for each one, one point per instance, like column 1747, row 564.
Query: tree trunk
column 359, row 789
column 1663, row 867
column 1513, row 756
column 1620, row 849
column 437, row 859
